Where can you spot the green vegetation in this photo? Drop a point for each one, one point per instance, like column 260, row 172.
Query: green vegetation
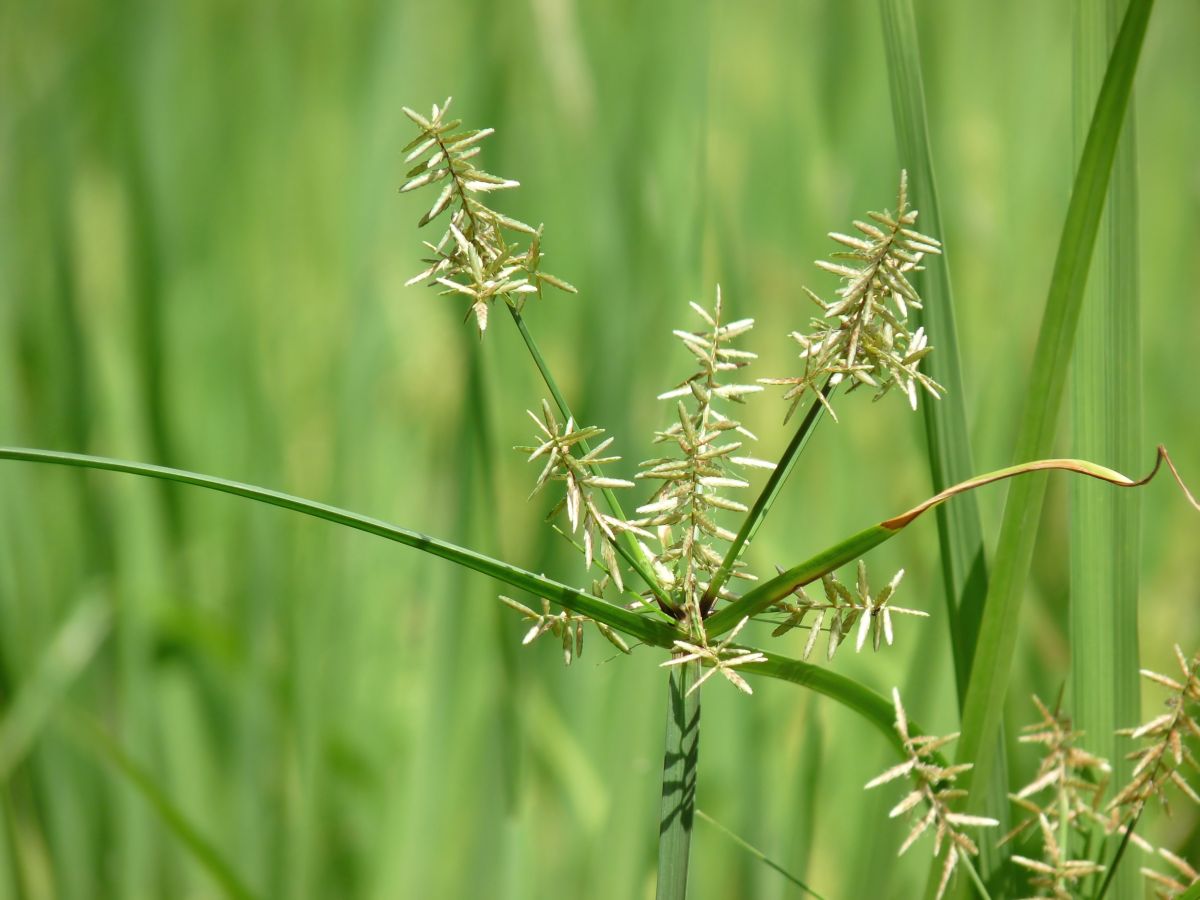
column 202, row 265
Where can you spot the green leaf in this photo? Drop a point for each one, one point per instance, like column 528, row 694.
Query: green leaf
column 1106, row 418
column 641, row 627
column 960, row 535
column 68, row 654
column 95, row 739
column 761, row 597
column 998, row 631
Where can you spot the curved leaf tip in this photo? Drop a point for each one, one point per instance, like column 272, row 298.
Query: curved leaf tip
column 1079, row 466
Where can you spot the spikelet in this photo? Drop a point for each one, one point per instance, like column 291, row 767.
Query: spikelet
column 932, row 783
column 483, row 254
column 1063, row 799
column 562, row 447
column 684, row 509
column 842, row 611
column 863, row 336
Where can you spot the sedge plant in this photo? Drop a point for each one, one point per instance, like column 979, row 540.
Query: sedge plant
column 664, row 567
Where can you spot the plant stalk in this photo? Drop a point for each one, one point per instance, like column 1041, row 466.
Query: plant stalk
column 628, row 547
column 766, row 498
column 680, row 755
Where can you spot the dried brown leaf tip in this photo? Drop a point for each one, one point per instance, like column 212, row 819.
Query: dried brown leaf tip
column 863, row 336
column 562, row 447
column 842, row 611
column 684, row 510
column 483, row 255
column 933, row 787
column 1167, row 740
column 1063, row 801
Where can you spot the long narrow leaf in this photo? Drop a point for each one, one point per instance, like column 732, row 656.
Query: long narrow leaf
column 960, row 535
column 1106, row 426
column 68, row 654
column 998, row 632
column 760, row 598
column 640, row 627
column 94, row 738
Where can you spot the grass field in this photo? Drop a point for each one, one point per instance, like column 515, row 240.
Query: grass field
column 202, row 259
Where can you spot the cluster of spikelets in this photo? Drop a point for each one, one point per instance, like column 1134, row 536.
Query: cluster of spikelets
column 581, row 474
column 1063, row 801
column 863, row 336
column 483, row 255
column 565, row 626
column 676, row 539
column 844, row 609
column 1065, row 816
column 933, row 789
column 683, row 510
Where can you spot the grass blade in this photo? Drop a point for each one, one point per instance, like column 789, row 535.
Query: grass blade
column 680, row 756
column 98, row 741
column 757, row 600
column 67, row 656
column 641, row 627
column 998, row 632
column 1106, row 422
column 960, row 535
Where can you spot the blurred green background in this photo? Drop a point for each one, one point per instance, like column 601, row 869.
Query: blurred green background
column 202, row 256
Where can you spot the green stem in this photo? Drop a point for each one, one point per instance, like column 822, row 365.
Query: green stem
column 629, row 548
column 766, row 498
column 1111, row 869
column 678, row 809
column 975, row 879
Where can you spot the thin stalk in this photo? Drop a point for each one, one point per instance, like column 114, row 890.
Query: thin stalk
column 678, row 809
column 975, row 879
column 1111, row 868
column 629, row 548
column 762, row 505
column 756, row 853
